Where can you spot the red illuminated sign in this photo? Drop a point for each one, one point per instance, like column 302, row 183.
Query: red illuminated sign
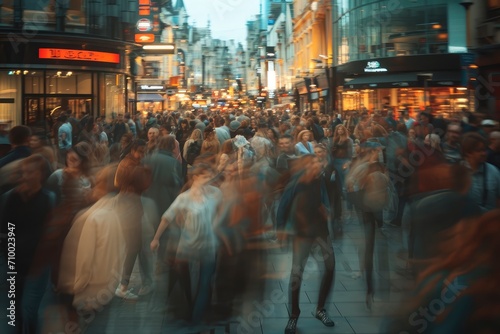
column 79, row 55
column 144, row 38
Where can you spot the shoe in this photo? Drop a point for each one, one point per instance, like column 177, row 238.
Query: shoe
column 324, row 318
column 291, row 327
column 125, row 294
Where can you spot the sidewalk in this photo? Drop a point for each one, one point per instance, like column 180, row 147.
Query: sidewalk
column 346, row 304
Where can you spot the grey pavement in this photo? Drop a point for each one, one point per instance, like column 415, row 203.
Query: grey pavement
column 269, row 313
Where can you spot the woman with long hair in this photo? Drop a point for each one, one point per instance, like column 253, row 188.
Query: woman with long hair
column 73, row 188
column 342, row 149
column 196, row 136
column 458, row 292
column 366, row 186
column 226, row 155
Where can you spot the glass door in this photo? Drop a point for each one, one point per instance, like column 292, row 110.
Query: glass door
column 41, row 114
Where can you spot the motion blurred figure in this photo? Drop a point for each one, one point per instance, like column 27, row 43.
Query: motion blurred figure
column 303, row 211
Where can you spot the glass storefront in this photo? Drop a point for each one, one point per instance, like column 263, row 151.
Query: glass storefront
column 43, row 95
column 445, row 101
column 367, row 29
column 10, row 99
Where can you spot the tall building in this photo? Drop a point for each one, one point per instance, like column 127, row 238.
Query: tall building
column 312, row 35
column 485, row 37
column 403, row 55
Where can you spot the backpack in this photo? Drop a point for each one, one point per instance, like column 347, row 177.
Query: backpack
column 193, row 152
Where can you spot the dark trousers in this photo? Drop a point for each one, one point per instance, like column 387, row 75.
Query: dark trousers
column 324, row 252
column 201, row 301
column 370, row 222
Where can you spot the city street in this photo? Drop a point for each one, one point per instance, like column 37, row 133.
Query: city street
column 269, row 315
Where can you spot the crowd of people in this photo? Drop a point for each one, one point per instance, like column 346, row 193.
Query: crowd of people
column 192, row 198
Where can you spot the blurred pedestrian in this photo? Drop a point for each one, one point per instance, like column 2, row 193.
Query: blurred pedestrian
column 195, row 212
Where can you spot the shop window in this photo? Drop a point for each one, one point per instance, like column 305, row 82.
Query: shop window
column 113, row 97
column 84, row 83
column 60, row 82
column 10, row 97
column 33, row 82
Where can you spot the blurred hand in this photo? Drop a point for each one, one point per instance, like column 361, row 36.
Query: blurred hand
column 154, row 245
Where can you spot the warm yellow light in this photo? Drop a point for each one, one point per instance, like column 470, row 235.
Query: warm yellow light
column 436, row 26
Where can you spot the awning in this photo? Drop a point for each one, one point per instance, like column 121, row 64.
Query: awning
column 409, row 79
column 383, row 81
column 150, row 97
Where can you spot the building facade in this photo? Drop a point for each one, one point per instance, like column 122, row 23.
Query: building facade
column 65, row 55
column 312, row 36
column 394, row 54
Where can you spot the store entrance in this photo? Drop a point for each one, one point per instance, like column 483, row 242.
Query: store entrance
column 41, row 113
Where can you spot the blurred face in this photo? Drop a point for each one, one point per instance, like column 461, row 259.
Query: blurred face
column 270, row 134
column 153, row 134
column 31, row 178
column 202, row 178
column 35, row 142
column 320, row 153
column 139, row 152
column 479, row 155
column 164, row 132
column 306, row 136
column 341, row 131
column 73, row 160
column 286, row 145
column 411, row 133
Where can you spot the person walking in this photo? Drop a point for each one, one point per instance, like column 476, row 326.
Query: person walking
column 195, row 212
column 303, row 212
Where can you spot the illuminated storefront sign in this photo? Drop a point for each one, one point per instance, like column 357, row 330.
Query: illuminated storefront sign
column 144, row 25
column 374, row 66
column 144, row 38
column 152, row 87
column 79, row 55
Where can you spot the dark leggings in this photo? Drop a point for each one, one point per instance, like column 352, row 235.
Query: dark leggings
column 301, row 248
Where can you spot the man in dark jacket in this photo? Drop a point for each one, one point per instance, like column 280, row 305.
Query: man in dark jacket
column 24, row 212
column 304, row 209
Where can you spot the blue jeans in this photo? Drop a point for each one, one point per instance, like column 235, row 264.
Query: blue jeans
column 35, row 288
